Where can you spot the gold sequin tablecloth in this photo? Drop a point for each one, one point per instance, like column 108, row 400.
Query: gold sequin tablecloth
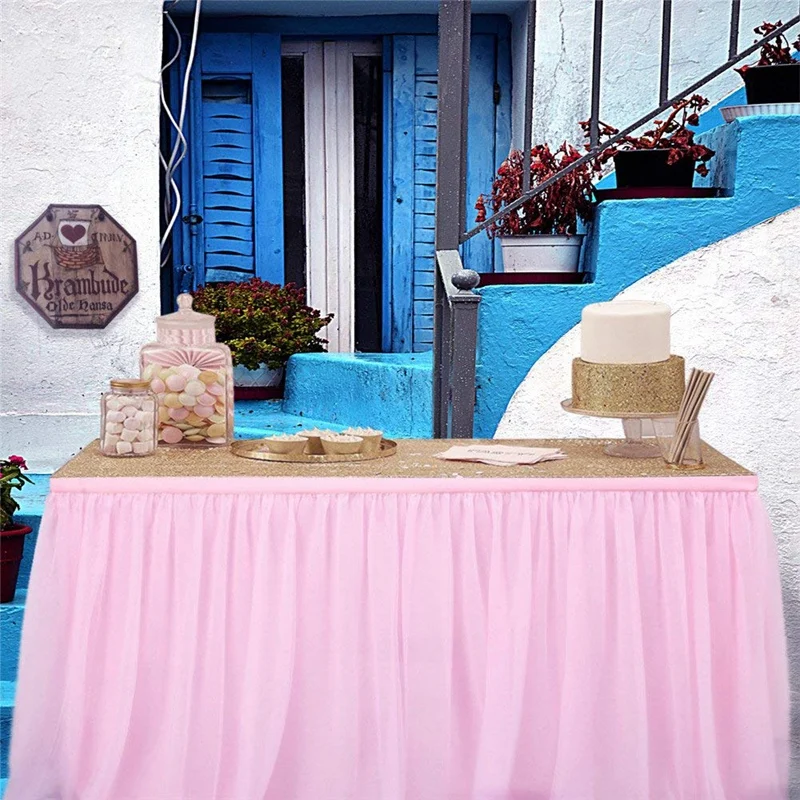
column 415, row 458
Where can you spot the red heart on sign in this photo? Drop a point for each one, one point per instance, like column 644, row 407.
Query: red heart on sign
column 73, row 232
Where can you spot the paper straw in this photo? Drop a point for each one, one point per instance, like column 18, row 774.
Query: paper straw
column 688, row 413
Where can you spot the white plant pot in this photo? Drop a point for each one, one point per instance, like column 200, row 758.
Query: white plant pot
column 251, row 378
column 541, row 252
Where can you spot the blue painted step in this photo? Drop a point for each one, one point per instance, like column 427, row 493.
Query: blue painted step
column 257, row 418
column 7, row 689
column 757, row 167
column 388, row 391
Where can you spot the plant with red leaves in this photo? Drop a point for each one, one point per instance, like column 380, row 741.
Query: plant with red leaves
column 261, row 322
column 11, row 478
column 670, row 134
column 776, row 51
column 557, row 209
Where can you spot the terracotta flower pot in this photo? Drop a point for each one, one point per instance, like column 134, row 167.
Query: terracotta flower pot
column 12, row 543
column 650, row 168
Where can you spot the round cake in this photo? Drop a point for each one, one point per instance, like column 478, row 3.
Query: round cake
column 625, row 365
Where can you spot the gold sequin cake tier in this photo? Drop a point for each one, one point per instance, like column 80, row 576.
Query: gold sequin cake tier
column 607, row 389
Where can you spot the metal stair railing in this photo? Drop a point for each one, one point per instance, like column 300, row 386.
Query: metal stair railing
column 455, row 301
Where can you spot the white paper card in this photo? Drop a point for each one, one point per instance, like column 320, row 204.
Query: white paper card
column 501, row 455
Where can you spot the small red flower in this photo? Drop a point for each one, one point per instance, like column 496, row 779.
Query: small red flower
column 18, row 461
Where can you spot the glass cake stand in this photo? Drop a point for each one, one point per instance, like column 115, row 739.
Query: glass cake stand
column 635, row 445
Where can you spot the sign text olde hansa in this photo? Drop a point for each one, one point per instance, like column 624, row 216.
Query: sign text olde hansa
column 76, row 265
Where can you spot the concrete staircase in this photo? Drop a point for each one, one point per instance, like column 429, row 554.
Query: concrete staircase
column 388, row 391
column 757, row 168
column 758, row 173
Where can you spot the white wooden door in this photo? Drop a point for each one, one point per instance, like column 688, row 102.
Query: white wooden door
column 330, row 215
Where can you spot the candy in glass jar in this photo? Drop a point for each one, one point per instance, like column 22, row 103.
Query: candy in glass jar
column 191, row 375
column 128, row 419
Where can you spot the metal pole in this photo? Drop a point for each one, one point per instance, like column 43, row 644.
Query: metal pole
column 466, row 8
column 442, row 416
column 454, row 33
column 527, row 122
column 597, row 51
column 733, row 41
column 666, row 35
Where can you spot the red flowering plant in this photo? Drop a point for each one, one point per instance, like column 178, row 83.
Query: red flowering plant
column 261, row 322
column 671, row 134
column 556, row 209
column 11, row 478
column 776, row 51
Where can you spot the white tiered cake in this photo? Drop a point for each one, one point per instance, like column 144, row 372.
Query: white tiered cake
column 625, row 365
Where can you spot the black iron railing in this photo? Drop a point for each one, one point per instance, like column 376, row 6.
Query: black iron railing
column 456, row 304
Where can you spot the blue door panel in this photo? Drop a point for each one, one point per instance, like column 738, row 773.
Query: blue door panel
column 413, row 173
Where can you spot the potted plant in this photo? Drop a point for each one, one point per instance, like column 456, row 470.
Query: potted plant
column 775, row 77
column 12, row 536
column 263, row 324
column 664, row 156
column 542, row 234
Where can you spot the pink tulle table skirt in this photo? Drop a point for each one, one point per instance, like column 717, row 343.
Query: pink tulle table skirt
column 390, row 639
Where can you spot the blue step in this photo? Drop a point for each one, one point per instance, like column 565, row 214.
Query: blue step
column 257, row 418
column 756, row 166
column 388, row 391
column 7, row 689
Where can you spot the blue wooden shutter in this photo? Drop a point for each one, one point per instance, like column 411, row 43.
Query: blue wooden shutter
column 236, row 159
column 229, row 232
column 413, row 143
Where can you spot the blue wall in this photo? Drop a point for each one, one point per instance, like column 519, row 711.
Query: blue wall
column 758, row 167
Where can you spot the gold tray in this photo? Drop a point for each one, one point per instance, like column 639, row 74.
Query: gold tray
column 249, row 448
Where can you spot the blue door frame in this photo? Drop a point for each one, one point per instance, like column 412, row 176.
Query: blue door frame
column 214, row 176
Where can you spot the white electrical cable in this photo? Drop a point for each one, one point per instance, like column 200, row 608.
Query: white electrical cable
column 168, row 112
column 179, row 149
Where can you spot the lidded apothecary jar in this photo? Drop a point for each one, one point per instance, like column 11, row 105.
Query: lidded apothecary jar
column 128, row 419
column 191, row 374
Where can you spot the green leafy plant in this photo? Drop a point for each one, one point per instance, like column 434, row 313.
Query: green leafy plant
column 11, row 478
column 261, row 322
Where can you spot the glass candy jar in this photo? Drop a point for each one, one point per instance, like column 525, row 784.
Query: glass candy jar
column 128, row 419
column 191, row 374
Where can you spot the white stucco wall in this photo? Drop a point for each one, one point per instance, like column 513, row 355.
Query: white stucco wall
column 79, row 123
column 736, row 307
column 631, row 58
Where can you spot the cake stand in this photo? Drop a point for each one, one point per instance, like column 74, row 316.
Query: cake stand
column 634, row 445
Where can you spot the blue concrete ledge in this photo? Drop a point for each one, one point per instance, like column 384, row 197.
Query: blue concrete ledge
column 389, row 391
column 759, row 171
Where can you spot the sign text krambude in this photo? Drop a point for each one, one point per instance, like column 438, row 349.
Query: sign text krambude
column 76, row 266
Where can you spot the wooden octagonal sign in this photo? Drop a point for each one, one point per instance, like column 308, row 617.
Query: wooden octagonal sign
column 76, row 265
